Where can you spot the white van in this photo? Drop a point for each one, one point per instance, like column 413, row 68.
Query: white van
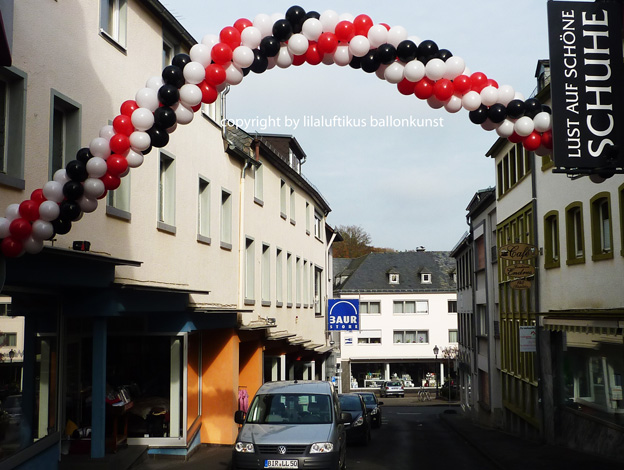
column 292, row 424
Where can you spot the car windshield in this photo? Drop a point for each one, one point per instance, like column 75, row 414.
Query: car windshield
column 369, row 399
column 290, row 408
column 394, row 384
column 350, row 403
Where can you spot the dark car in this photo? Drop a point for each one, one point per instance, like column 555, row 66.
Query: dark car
column 359, row 428
column 373, row 407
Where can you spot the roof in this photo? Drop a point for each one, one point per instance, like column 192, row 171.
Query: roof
column 296, row 386
column 370, row 273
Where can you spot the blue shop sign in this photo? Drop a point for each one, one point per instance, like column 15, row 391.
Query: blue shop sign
column 343, row 314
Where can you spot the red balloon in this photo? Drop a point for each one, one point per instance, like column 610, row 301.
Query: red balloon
column 312, row 55
column 29, row 210
column 345, row 31
column 37, row 196
column 242, row 23
column 362, row 24
column 515, row 138
column 221, row 53
column 327, row 43
column 406, row 87
column 424, row 88
column 111, row 182
column 547, row 140
column 462, row 85
column 230, row 36
column 123, row 125
column 103, row 195
column 20, row 229
column 119, row 143
column 385, row 25
column 478, row 81
column 443, row 89
column 197, row 107
column 215, row 74
column 299, row 59
column 209, row 92
column 116, row 164
column 128, row 107
column 11, row 248
column 532, row 141
column 492, row 82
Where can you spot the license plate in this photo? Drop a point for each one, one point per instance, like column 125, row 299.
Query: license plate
column 281, row 464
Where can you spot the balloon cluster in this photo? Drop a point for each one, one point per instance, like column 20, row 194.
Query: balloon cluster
column 417, row 68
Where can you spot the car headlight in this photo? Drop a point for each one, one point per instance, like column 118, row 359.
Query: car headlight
column 245, row 447
column 374, row 411
column 321, row 447
column 359, row 421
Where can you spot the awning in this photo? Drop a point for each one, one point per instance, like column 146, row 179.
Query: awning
column 601, row 322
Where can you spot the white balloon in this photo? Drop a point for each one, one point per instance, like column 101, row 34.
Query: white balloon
column 96, row 167
column 139, row 141
column 233, row 75
column 415, row 39
column 32, row 245
column 377, row 35
column 154, row 82
column 346, row 17
column 435, row 103
column 414, row 70
column 542, row 121
column 106, row 132
column 49, row 210
column 184, row 115
column 518, row 96
column 328, row 59
column 394, row 72
column 380, row 72
column 275, row 17
column 471, row 100
column 489, row 125
column 505, row 94
column 210, row 40
column 99, row 147
column 251, row 37
column 435, row 69
column 359, row 46
column 200, row 53
column 466, row 72
column 4, row 227
column 190, row 95
column 61, row 176
column 298, row 44
column 524, row 126
column 396, row 34
column 134, row 159
column 147, row 98
column 42, row 229
column 194, row 73
column 489, row 95
column 142, row 119
column 53, row 191
column 329, row 19
column 12, row 211
column 312, row 29
column 172, row 128
column 87, row 204
column 242, row 57
column 454, row 104
column 454, row 67
column 505, row 129
column 284, row 58
column 342, row 56
column 93, row 187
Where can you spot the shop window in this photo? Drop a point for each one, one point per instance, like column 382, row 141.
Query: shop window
column 602, row 235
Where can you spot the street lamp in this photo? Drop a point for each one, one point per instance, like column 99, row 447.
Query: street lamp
column 436, row 350
column 449, row 353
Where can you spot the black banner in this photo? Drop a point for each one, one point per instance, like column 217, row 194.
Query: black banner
column 587, row 73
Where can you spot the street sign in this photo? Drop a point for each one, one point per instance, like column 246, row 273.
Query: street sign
column 343, row 314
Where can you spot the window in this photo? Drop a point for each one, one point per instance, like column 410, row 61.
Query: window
column 166, row 192
column 422, row 336
column 551, row 240
column 266, row 275
column 298, row 282
column 292, row 206
column 249, row 270
column 370, row 308
column 602, row 236
column 318, row 225
column 369, row 337
column 113, row 14
column 480, row 247
column 306, row 283
column 118, row 200
column 307, row 218
column 65, row 131
column 226, row 219
column 411, row 336
column 289, row 279
column 621, row 191
column 411, row 306
column 393, row 278
column 12, row 127
column 283, row 199
column 318, row 291
column 203, row 211
column 452, row 306
column 425, row 278
column 279, row 277
column 8, row 339
column 574, row 234
column 453, row 338
column 482, row 321
column 259, row 184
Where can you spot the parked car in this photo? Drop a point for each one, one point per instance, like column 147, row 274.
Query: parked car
column 12, row 406
column 392, row 388
column 373, row 406
column 292, row 424
column 359, row 428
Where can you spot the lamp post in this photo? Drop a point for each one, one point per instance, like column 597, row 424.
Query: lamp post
column 449, row 353
column 436, row 350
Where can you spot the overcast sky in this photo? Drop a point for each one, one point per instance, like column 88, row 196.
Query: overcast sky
column 406, row 186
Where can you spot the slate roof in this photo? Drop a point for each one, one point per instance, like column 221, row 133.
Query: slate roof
column 369, row 274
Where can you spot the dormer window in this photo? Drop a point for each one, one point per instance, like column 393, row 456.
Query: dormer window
column 425, row 278
column 393, row 278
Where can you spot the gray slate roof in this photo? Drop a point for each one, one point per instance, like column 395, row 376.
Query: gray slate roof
column 370, row 273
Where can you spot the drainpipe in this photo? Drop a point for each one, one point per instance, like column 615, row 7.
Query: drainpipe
column 223, row 111
column 241, row 237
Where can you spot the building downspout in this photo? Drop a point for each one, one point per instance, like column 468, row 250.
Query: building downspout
column 241, row 237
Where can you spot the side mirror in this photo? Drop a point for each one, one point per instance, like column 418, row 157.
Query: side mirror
column 345, row 418
column 240, row 416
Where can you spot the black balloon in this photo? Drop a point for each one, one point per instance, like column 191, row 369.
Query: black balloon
column 173, row 75
column 356, row 63
column 147, row 150
column 426, row 50
column 515, row 109
column 479, row 115
column 158, row 136
column 77, row 170
column 180, row 60
column 168, row 94
column 386, row 53
column 260, row 62
column 61, row 226
column 370, row 63
column 83, row 155
column 69, row 210
column 73, row 190
column 547, row 108
column 443, row 54
column 407, row 51
column 270, row 46
column 532, row 107
column 282, row 30
column 313, row 14
column 296, row 16
column 497, row 113
column 246, row 71
column 165, row 117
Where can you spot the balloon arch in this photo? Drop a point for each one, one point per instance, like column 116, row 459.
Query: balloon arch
column 416, row 67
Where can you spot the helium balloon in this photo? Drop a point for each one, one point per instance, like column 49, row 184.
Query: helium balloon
column 386, row 53
column 72, row 190
column 96, row 167
column 173, row 75
column 29, row 210
column 407, row 51
column 49, row 210
column 497, row 113
column 327, row 43
column 423, row 89
column 298, row 44
column 200, row 53
column 143, row 118
column 532, row 107
column 369, row 63
column 158, row 137
column 471, row 101
column 83, row 155
column 296, row 16
column 61, row 226
column 414, row 70
column 359, row 46
column 93, row 187
column 20, row 228
column 194, row 73
column 515, row 109
column 77, row 170
column 270, row 46
column 181, row 61
column 139, row 141
column 542, row 121
column 119, row 143
column 164, row 116
column 479, row 115
column 42, row 230
column 282, row 30
column 147, row 98
column 524, row 126
column 396, row 35
column 190, row 95
column 69, row 210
